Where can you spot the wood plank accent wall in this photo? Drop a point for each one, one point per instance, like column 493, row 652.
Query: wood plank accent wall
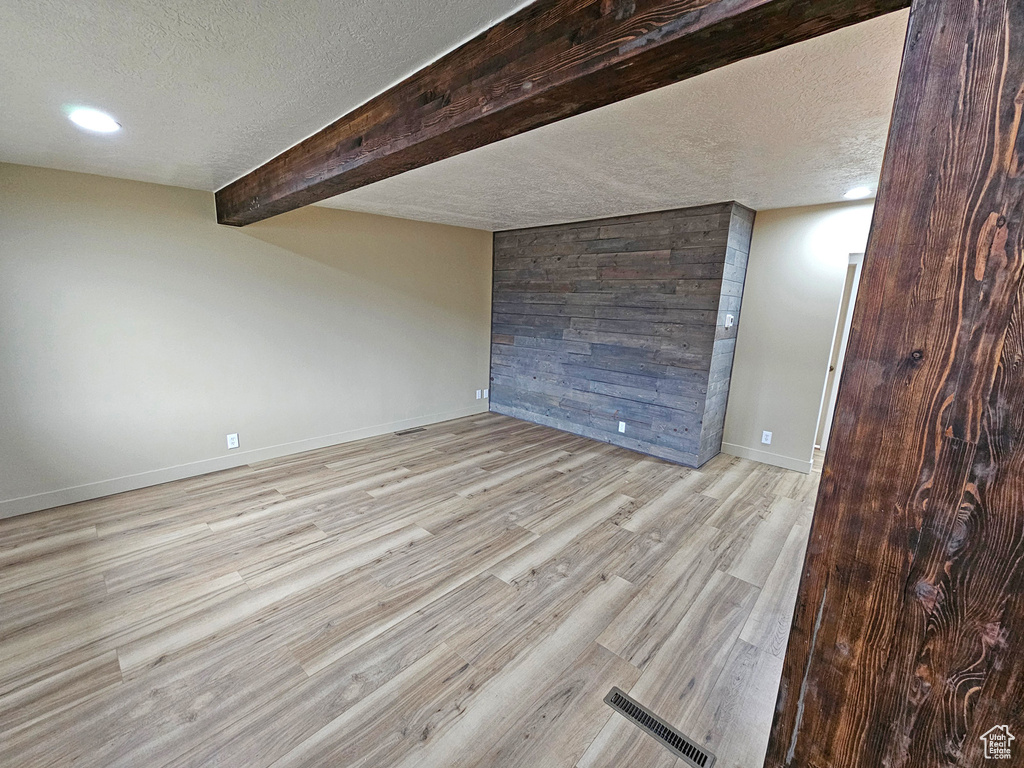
column 622, row 319
column 907, row 644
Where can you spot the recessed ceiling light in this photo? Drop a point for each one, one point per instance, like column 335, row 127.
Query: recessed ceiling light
column 93, row 120
column 858, row 193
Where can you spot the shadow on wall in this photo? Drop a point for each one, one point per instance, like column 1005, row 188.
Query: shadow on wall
column 403, row 256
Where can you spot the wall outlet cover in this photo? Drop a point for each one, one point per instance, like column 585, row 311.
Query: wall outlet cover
column 479, row 394
column 485, row 394
column 622, row 427
column 232, row 441
column 766, row 437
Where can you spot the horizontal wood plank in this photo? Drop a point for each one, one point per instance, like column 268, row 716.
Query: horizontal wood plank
column 607, row 348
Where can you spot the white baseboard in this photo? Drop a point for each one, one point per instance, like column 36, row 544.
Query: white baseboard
column 101, row 488
column 786, row 462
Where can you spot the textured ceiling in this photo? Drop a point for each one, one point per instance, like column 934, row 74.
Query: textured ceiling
column 206, row 89
column 798, row 126
column 209, row 89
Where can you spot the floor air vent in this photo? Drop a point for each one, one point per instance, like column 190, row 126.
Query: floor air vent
column 672, row 739
column 411, row 431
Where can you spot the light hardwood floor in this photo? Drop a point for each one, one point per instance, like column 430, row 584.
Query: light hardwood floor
column 462, row 596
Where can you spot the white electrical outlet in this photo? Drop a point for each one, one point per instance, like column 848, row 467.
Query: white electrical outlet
column 485, row 394
column 232, row 441
column 479, row 394
column 622, row 427
column 730, row 321
column 766, row 437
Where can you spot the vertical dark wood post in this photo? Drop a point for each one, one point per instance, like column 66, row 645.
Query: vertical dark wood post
column 908, row 639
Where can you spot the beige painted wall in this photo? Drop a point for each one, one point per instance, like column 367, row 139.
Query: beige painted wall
column 795, row 276
column 136, row 333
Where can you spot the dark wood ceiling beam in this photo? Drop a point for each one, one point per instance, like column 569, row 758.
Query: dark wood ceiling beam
column 552, row 60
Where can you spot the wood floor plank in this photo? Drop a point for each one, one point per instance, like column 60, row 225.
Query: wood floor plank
column 727, row 724
column 555, row 540
column 769, row 621
column 239, row 552
column 322, row 559
column 55, row 693
column 30, row 550
column 651, row 548
column 298, row 713
column 495, row 478
column 493, row 709
column 394, row 719
column 556, row 731
column 460, row 596
column 678, row 681
column 40, row 602
column 237, row 608
column 113, row 623
column 99, row 555
column 732, row 473
column 642, row 628
column 458, row 471
column 329, row 643
column 671, row 504
column 562, row 493
column 754, row 495
column 154, row 718
column 760, row 552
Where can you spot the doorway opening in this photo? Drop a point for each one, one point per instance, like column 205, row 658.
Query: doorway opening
column 841, row 336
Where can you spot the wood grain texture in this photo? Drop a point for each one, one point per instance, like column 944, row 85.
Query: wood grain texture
column 908, row 640
column 622, row 319
column 551, row 60
column 465, row 595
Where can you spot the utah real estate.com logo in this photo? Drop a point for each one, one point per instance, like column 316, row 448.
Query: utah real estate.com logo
column 997, row 743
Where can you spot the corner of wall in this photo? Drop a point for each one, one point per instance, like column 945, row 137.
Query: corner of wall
column 734, row 272
column 798, row 262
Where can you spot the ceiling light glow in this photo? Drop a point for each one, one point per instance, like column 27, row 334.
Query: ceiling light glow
column 858, row 193
column 93, row 120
